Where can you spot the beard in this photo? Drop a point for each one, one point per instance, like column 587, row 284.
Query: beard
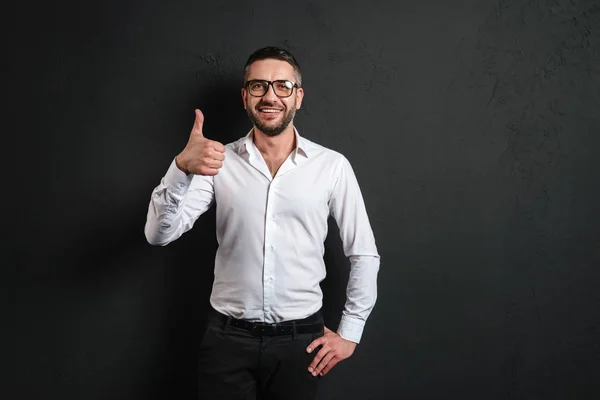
column 275, row 130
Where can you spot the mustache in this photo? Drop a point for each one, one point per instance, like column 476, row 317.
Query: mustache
column 265, row 104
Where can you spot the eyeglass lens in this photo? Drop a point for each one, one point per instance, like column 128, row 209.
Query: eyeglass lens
column 282, row 88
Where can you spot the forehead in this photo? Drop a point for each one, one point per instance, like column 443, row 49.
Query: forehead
column 271, row 70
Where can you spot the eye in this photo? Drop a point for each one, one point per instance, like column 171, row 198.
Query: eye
column 256, row 85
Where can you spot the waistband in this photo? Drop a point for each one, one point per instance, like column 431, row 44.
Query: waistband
column 311, row 324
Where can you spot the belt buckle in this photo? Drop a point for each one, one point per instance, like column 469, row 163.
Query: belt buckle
column 274, row 328
column 261, row 328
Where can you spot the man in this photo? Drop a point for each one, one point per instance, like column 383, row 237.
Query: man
column 274, row 191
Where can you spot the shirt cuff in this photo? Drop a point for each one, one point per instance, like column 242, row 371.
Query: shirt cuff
column 351, row 329
column 177, row 180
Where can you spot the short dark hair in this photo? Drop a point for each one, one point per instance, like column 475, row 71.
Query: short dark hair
column 276, row 53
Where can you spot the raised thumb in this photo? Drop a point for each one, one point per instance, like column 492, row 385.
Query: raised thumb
column 198, row 123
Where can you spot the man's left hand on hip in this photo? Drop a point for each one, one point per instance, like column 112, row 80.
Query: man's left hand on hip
column 335, row 349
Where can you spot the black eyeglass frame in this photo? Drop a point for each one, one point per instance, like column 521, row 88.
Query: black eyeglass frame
column 270, row 83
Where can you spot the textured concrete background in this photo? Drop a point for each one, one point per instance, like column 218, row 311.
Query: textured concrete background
column 473, row 128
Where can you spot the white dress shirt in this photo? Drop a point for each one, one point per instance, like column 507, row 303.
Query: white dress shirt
column 271, row 231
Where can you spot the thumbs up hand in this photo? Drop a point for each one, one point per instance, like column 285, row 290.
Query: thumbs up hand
column 201, row 156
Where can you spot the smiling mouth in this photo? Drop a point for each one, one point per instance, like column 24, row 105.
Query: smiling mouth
column 269, row 110
column 269, row 113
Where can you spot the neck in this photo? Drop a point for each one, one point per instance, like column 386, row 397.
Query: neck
column 275, row 146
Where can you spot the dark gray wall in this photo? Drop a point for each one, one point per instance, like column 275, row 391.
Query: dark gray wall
column 473, row 127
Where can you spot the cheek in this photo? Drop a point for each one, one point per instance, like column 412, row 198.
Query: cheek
column 293, row 103
column 288, row 104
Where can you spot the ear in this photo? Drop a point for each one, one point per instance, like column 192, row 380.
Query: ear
column 299, row 97
column 244, row 97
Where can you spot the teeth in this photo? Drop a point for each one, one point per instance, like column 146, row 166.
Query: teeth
column 269, row 110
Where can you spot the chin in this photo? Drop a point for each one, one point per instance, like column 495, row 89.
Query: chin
column 271, row 127
column 271, row 131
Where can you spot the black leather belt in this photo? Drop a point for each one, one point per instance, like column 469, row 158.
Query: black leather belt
column 275, row 329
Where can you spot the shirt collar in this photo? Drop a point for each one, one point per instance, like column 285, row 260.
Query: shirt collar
column 301, row 145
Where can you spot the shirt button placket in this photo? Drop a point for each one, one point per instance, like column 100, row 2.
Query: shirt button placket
column 269, row 266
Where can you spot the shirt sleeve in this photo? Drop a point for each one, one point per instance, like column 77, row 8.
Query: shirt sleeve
column 175, row 204
column 347, row 207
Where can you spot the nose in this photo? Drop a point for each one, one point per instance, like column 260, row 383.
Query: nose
column 270, row 95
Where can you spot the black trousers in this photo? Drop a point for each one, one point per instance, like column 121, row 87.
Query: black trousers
column 235, row 364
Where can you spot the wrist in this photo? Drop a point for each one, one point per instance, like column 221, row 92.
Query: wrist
column 180, row 165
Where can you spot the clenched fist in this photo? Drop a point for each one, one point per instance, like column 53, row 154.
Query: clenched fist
column 201, row 156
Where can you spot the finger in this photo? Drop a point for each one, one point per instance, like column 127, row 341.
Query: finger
column 316, row 343
column 318, row 357
column 214, row 164
column 209, row 171
column 218, row 146
column 198, row 123
column 329, row 365
column 216, row 155
column 324, row 362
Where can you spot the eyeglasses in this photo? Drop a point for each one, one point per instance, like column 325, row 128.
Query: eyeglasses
column 259, row 87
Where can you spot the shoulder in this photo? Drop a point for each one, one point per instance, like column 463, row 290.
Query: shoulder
column 323, row 153
column 329, row 160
